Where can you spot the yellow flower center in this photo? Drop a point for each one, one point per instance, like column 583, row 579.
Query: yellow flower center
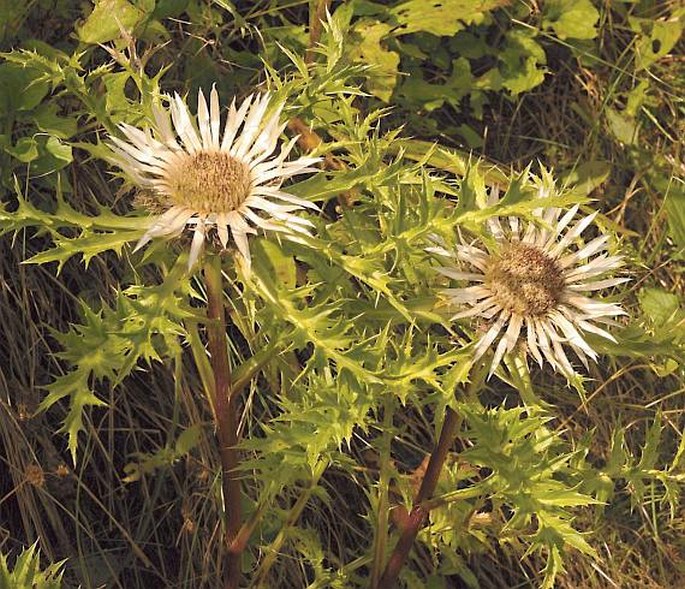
column 525, row 281
column 210, row 182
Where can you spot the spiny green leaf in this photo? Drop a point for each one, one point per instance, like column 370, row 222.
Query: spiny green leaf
column 21, row 88
column 76, row 386
column 650, row 451
column 97, row 234
column 314, row 324
column 145, row 324
column 149, row 463
column 27, row 574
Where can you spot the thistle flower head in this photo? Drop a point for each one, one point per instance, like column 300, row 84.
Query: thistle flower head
column 194, row 176
column 528, row 287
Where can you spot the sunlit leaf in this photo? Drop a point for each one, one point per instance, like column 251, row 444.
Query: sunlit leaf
column 108, row 19
column 571, row 19
column 441, row 17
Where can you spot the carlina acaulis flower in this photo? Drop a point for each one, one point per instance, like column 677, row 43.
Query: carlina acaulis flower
column 529, row 284
column 191, row 175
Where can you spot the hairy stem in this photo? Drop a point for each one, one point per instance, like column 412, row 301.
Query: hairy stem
column 223, row 403
column 419, row 513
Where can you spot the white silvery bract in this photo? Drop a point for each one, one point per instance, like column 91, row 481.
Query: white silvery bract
column 194, row 176
column 528, row 286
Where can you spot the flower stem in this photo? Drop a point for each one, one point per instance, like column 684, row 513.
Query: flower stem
column 223, row 403
column 419, row 513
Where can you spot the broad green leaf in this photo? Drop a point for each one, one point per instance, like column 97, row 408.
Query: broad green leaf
column 108, row 19
column 571, row 19
column 169, row 8
column 431, row 96
column 623, row 127
column 188, row 439
column 45, row 154
column 657, row 38
column 440, row 17
column 636, row 98
column 369, row 50
column 520, row 59
column 25, row 150
column 48, row 121
column 588, row 176
column 59, row 150
column 659, row 305
column 21, row 88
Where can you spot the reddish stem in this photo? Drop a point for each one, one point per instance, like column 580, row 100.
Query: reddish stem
column 419, row 513
column 223, row 403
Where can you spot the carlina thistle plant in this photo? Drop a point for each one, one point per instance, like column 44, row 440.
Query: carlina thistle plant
column 530, row 284
column 528, row 288
column 193, row 176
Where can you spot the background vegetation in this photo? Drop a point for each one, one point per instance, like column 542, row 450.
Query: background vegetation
column 406, row 96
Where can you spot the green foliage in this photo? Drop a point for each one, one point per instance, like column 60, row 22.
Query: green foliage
column 96, row 234
column 41, row 146
column 660, row 337
column 100, row 27
column 342, row 357
column 147, row 464
column 26, row 572
column 429, row 55
column 656, row 38
column 674, row 200
column 531, row 487
column 571, row 19
column 368, row 49
column 439, row 18
column 646, row 479
column 143, row 325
